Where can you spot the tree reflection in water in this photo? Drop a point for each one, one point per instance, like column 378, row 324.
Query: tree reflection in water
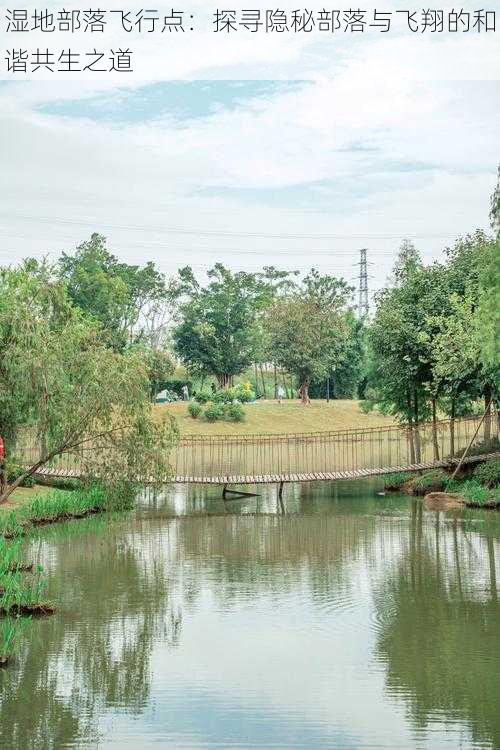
column 439, row 625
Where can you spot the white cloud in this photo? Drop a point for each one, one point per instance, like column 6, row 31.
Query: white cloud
column 373, row 145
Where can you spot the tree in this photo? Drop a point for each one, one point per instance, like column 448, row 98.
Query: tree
column 401, row 341
column 348, row 378
column 307, row 329
column 495, row 208
column 66, row 392
column 129, row 301
column 216, row 331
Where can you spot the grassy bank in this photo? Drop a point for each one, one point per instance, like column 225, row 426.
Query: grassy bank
column 479, row 488
column 21, row 584
column 268, row 417
column 41, row 505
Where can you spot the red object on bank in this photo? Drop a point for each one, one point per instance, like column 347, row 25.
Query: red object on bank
column 2, row 448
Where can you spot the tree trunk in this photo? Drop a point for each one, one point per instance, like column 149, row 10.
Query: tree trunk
column 256, row 378
column 275, row 382
column 434, row 431
column 410, row 428
column 487, row 419
column 418, row 453
column 223, row 379
column 304, row 393
column 452, row 427
column 264, row 392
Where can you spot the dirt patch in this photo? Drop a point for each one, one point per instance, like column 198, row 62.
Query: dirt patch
column 443, row 501
column 33, row 610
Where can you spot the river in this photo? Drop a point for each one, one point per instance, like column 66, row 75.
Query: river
column 344, row 619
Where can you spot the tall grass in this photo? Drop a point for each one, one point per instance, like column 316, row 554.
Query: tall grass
column 65, row 504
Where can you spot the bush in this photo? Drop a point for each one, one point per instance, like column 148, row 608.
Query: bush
column 394, row 482
column 480, row 449
column 213, row 412
column 488, row 474
column 366, row 406
column 14, row 471
column 243, row 392
column 435, row 480
column 222, row 396
column 194, row 409
column 234, row 413
column 475, row 493
column 203, row 397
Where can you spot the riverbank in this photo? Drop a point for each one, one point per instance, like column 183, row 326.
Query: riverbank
column 477, row 489
column 38, row 505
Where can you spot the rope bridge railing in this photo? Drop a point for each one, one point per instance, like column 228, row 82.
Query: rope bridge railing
column 268, row 457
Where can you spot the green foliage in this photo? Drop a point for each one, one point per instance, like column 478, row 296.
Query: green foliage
column 214, row 412
column 177, row 384
column 475, row 493
column 481, row 448
column 307, row 331
column 61, row 383
column 159, row 366
column 128, row 301
column 194, row 409
column 393, row 482
column 488, row 474
column 234, row 412
column 17, row 589
column 242, row 392
column 203, row 397
column 348, row 378
column 15, row 470
column 434, row 480
column 367, row 406
column 216, row 331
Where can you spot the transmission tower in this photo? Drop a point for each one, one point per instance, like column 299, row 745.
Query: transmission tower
column 363, row 284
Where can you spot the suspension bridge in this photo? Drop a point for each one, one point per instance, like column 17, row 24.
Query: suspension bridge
column 236, row 460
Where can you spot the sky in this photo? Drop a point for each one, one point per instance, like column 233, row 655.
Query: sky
column 288, row 152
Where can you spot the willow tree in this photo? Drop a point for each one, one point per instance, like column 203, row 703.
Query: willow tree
column 69, row 394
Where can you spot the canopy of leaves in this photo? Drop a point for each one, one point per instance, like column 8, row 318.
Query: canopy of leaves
column 60, row 384
column 307, row 329
column 129, row 301
column 217, row 332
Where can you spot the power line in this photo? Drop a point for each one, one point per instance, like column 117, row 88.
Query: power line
column 225, row 233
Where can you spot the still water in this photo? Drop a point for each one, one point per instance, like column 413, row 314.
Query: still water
column 341, row 620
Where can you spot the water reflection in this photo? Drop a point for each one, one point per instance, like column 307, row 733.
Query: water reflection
column 351, row 620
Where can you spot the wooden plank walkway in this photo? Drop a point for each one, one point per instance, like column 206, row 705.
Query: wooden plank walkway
column 240, row 479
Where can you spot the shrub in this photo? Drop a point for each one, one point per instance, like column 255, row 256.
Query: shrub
column 234, row 413
column 395, row 481
column 213, row 412
column 479, row 449
column 243, row 392
column 475, row 493
column 366, row 406
column 14, row 471
column 194, row 409
column 222, row 396
column 488, row 474
column 203, row 397
column 434, row 480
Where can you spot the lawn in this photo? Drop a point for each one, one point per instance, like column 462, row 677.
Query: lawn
column 23, row 495
column 268, row 417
